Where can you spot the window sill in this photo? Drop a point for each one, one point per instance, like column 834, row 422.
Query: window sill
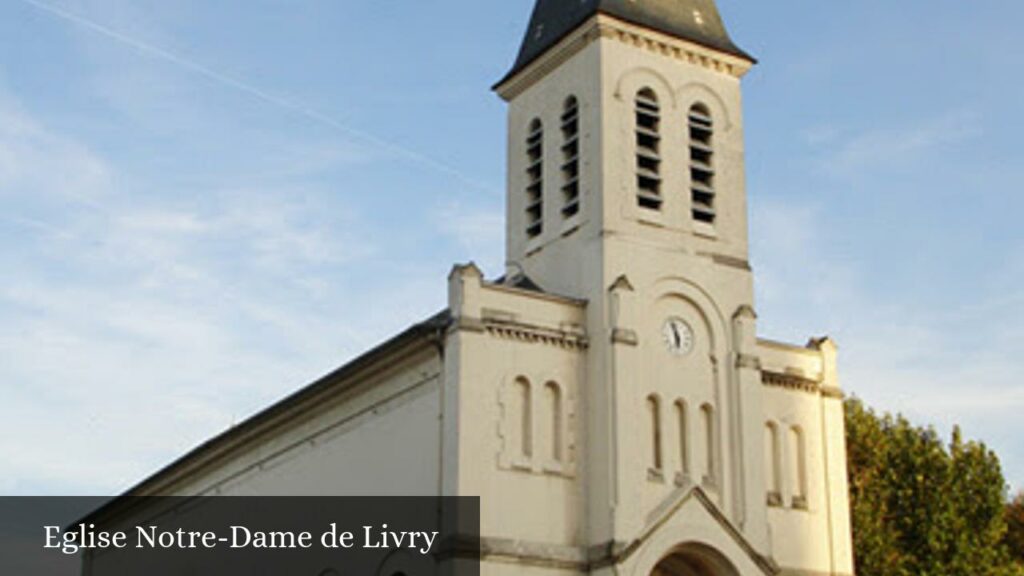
column 709, row 484
column 705, row 230
column 571, row 225
column 650, row 217
column 683, row 479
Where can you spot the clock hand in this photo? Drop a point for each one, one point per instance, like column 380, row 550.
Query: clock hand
column 676, row 337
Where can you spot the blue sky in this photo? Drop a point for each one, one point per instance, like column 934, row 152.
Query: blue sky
column 208, row 204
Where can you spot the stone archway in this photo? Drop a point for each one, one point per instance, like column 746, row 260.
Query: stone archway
column 694, row 560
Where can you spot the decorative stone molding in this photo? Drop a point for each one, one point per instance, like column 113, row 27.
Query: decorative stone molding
column 729, row 261
column 467, row 324
column 748, row 361
column 790, row 381
column 537, row 335
column 665, row 45
column 834, row 393
column 625, row 336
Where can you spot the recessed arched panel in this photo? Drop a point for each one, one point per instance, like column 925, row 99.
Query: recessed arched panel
column 773, row 463
column 798, row 464
column 634, row 80
column 683, row 429
column 678, row 287
column 554, row 422
column 709, row 438
column 523, row 410
column 694, row 92
column 655, row 443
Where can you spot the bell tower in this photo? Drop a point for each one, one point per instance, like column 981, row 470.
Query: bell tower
column 626, row 189
column 625, row 122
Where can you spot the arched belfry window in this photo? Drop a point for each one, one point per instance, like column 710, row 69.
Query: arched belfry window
column 702, row 167
column 535, row 179
column 654, row 421
column 773, row 464
column 648, row 150
column 571, row 158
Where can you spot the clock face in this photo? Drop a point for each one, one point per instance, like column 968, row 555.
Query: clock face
column 678, row 336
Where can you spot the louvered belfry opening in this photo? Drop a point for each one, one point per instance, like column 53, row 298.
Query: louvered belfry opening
column 535, row 180
column 702, row 170
column 648, row 150
column 571, row 158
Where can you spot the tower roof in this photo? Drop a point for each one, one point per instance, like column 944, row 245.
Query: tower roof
column 694, row 20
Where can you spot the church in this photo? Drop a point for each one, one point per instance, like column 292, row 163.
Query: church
column 607, row 398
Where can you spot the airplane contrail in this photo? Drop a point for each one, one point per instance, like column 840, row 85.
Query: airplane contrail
column 242, row 86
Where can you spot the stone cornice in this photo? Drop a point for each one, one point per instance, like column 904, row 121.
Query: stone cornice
column 672, row 47
column 603, row 26
column 790, row 382
column 536, row 334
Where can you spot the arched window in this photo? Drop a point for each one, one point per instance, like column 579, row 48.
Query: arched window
column 648, row 150
column 702, row 169
column 654, row 418
column 710, row 444
column 524, row 406
column 684, row 437
column 553, row 403
column 535, row 179
column 798, row 449
column 773, row 464
column 571, row 158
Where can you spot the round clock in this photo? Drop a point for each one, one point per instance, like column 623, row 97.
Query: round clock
column 678, row 336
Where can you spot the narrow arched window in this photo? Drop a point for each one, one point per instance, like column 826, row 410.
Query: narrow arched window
column 648, row 150
column 702, row 168
column 524, row 407
column 798, row 449
column 571, row 158
column 555, row 418
column 773, row 464
column 684, row 437
column 710, row 444
column 654, row 419
column 535, row 179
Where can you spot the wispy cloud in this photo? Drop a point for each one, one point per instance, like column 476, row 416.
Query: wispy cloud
column 478, row 230
column 32, row 158
column 215, row 306
column 889, row 146
column 262, row 94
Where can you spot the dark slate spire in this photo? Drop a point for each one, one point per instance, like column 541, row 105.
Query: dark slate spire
column 694, row 20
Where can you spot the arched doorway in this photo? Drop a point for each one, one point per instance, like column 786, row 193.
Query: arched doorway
column 694, row 560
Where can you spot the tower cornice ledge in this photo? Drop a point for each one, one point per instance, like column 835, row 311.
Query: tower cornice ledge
column 604, row 26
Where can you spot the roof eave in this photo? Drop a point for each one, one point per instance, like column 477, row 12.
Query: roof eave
column 522, row 65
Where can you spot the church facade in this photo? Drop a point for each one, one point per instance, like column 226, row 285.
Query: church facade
column 608, row 399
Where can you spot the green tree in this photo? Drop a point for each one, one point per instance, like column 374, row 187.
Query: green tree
column 1015, row 528
column 920, row 507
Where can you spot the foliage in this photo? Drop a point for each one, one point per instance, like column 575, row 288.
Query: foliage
column 1015, row 528
column 921, row 507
